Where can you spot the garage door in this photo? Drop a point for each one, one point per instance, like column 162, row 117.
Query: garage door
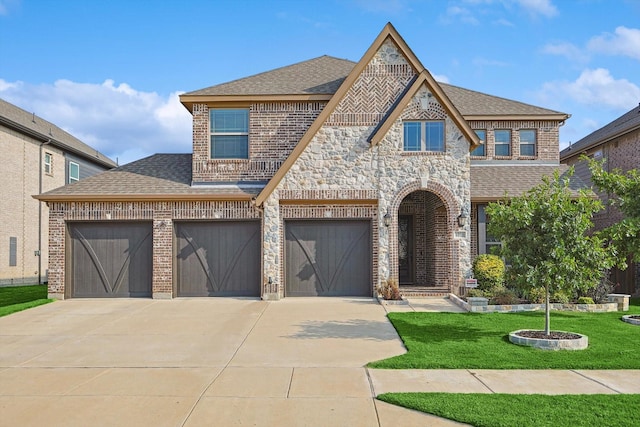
column 220, row 258
column 111, row 259
column 328, row 258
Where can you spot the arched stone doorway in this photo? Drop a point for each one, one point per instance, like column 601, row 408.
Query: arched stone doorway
column 423, row 253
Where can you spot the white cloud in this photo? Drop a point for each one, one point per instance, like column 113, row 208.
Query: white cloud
column 115, row 119
column 539, row 7
column 484, row 62
column 568, row 50
column 625, row 41
column 595, row 87
column 504, row 22
column 455, row 13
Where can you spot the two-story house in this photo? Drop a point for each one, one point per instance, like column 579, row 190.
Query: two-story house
column 618, row 145
column 323, row 178
column 38, row 157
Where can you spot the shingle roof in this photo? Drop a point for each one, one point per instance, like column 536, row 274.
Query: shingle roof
column 159, row 176
column 472, row 103
column 322, row 75
column 623, row 124
column 17, row 118
column 491, row 182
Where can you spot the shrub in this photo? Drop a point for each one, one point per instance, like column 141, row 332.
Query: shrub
column 504, row 296
column 489, row 271
column 536, row 295
column 604, row 288
column 559, row 297
column 585, row 300
column 389, row 290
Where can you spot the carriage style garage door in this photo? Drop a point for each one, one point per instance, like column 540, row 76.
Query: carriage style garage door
column 110, row 259
column 219, row 258
column 328, row 258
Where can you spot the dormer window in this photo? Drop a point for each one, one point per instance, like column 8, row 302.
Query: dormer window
column 424, row 136
column 229, row 133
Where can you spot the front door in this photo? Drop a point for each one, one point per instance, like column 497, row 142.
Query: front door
column 405, row 250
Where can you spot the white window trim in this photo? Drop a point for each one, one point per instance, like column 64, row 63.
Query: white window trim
column 73, row 179
column 48, row 165
column 211, row 133
column 508, row 144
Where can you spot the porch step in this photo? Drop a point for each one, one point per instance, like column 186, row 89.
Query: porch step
column 423, row 291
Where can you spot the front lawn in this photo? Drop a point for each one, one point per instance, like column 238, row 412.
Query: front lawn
column 18, row 298
column 480, row 341
column 507, row 410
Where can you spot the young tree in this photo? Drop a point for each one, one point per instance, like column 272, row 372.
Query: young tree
column 624, row 191
column 545, row 241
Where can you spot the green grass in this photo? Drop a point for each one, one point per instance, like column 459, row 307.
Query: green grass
column 480, row 341
column 18, row 298
column 497, row 410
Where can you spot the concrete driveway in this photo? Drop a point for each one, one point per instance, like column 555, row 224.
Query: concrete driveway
column 193, row 362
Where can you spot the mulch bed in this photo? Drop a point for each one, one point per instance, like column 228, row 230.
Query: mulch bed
column 554, row 335
column 635, row 316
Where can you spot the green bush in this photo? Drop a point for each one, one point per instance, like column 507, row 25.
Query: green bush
column 559, row 297
column 585, row 300
column 537, row 295
column 489, row 271
column 504, row 296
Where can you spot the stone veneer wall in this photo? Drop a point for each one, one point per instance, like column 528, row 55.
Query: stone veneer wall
column 274, row 130
column 547, row 137
column 340, row 158
column 162, row 214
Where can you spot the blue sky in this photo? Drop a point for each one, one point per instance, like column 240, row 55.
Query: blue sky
column 110, row 72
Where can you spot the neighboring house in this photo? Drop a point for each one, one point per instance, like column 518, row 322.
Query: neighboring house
column 38, row 157
column 618, row 145
column 324, row 177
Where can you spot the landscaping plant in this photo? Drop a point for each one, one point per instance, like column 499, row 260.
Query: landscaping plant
column 544, row 237
column 623, row 189
column 488, row 270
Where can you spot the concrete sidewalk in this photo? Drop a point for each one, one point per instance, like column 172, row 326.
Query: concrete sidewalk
column 227, row 362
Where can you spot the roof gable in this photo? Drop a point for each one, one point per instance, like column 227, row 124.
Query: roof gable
column 388, row 33
column 424, row 79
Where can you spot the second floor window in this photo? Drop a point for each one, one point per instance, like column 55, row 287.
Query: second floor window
column 229, row 133
column 74, row 172
column 48, row 167
column 424, row 136
column 503, row 142
column 481, row 150
column 527, row 142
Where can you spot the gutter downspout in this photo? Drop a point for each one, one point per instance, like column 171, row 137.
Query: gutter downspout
column 40, row 213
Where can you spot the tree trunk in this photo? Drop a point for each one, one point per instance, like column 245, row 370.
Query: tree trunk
column 547, row 317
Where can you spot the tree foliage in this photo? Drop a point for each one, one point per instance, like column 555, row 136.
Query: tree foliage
column 624, row 192
column 545, row 240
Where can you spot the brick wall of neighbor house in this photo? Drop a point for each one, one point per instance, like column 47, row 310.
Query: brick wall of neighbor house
column 274, row 130
column 163, row 215
column 20, row 177
column 547, row 137
column 340, row 158
column 620, row 153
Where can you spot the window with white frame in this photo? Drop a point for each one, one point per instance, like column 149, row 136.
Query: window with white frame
column 48, row 163
column 527, row 142
column 502, row 144
column 487, row 244
column 480, row 151
column 74, row 172
column 423, row 136
column 229, row 133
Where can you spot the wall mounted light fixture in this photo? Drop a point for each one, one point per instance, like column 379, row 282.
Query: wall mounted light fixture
column 462, row 218
column 387, row 219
